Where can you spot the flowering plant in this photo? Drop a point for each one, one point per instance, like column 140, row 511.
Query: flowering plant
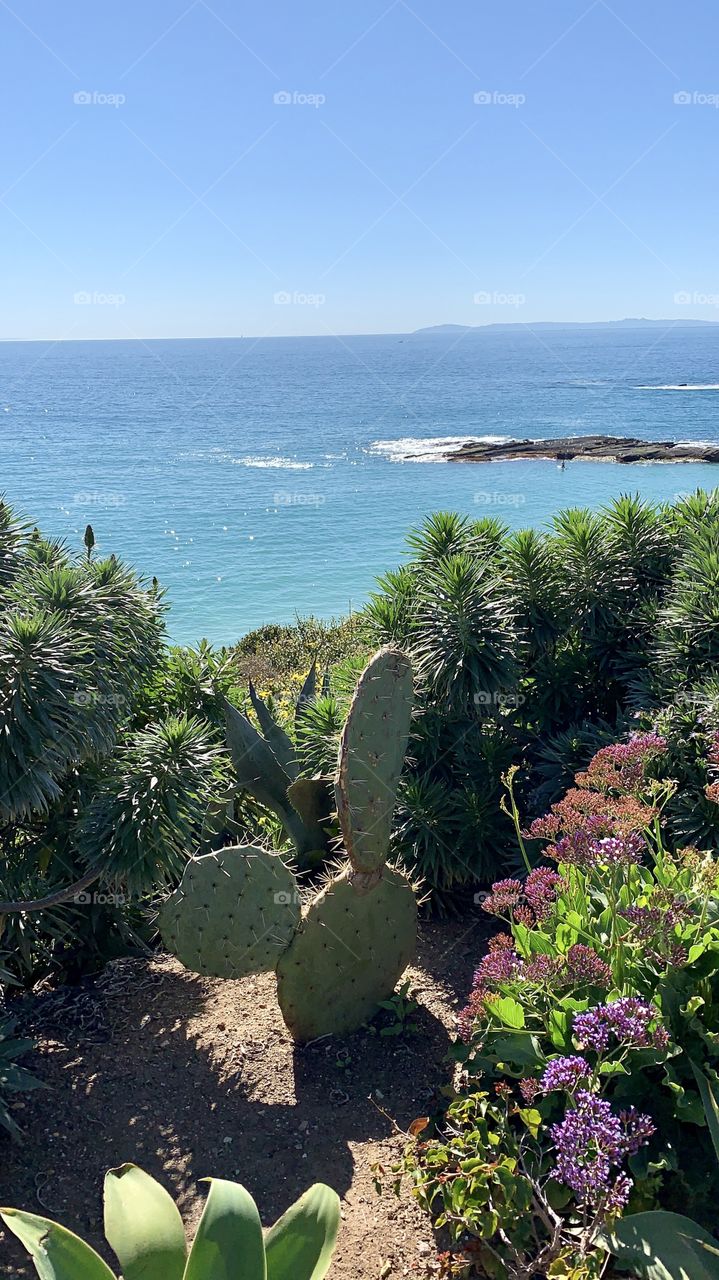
column 594, row 1016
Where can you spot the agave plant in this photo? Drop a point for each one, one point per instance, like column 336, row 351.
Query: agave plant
column 145, row 1232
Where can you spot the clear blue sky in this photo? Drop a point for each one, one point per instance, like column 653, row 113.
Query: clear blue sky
column 182, row 198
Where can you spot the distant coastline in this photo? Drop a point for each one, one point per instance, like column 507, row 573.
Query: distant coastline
column 638, row 323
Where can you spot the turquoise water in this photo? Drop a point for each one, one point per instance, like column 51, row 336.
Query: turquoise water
column 257, row 478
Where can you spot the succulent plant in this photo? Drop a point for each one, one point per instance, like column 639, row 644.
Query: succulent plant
column 238, row 911
column 145, row 1231
column 266, row 765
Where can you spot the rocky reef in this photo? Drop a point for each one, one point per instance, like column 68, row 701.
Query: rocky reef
column 584, row 449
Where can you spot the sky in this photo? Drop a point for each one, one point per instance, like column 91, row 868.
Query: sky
column 182, row 168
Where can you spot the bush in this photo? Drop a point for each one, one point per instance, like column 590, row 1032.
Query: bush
column 541, row 646
column 94, row 793
column 590, row 1038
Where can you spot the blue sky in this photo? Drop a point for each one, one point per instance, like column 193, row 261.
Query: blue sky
column 152, row 185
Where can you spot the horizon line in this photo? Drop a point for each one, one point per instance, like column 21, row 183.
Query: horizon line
column 375, row 333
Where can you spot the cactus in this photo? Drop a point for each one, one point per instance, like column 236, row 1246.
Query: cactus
column 145, row 1231
column 371, row 755
column 347, row 955
column 233, row 913
column 236, row 912
column 267, row 767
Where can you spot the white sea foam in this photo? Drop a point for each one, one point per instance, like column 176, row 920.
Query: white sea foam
column 251, row 460
column 433, row 449
column 680, row 386
column 278, row 464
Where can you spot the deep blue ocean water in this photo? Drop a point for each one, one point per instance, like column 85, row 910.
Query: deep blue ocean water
column 258, row 478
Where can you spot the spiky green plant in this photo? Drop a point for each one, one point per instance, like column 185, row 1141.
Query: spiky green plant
column 337, row 957
column 145, row 1232
column 94, row 796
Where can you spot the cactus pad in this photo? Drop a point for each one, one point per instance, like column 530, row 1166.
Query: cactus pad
column 371, row 755
column 233, row 913
column 350, row 949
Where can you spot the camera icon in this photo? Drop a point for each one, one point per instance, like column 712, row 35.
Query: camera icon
column 682, row 98
column 483, row 698
column 282, row 98
column 283, row 298
column 482, row 299
column 283, row 899
column 482, row 98
column 82, row 98
column 83, row 899
column 683, row 298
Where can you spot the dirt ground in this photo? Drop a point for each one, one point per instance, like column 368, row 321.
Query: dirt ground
column 191, row 1077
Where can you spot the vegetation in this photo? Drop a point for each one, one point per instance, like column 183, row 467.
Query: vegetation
column 145, row 1232
column 589, row 1043
column 237, row 912
column 538, row 648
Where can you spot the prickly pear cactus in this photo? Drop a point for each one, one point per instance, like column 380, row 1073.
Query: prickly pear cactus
column 371, row 755
column 233, row 913
column 347, row 955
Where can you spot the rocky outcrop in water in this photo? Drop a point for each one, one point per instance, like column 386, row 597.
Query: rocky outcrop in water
column 584, row 449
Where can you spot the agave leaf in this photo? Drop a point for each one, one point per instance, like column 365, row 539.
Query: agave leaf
column 58, row 1254
column 228, row 1244
column 308, row 692
column 281, row 744
column 143, row 1226
column 711, row 1108
column 664, row 1246
column 302, row 1241
column 256, row 765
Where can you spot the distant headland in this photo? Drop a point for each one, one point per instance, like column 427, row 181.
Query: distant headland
column 638, row 323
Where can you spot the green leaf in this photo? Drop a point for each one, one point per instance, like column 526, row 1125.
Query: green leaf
column 664, row 1246
column 711, row 1108
column 56, row 1252
column 302, row 1241
column 228, row 1244
column 143, row 1226
column 509, row 1011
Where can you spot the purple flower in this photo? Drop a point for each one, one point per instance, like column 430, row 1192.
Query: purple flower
column 497, row 966
column 591, row 847
column 540, row 890
column 505, row 895
column 586, row 968
column 591, row 1142
column 565, row 1073
column 628, row 1019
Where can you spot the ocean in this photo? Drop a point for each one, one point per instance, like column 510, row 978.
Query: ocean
column 261, row 478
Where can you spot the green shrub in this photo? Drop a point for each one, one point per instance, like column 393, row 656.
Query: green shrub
column 99, row 800
column 597, row 1006
column 552, row 641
